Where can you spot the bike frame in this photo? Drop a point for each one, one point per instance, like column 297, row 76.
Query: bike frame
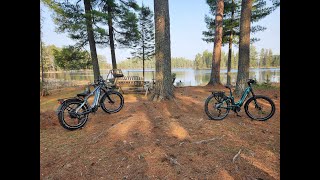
column 96, row 92
column 242, row 99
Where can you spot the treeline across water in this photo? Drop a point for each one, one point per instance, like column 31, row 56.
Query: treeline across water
column 54, row 60
column 264, row 59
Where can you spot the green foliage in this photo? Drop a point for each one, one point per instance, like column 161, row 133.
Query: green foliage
column 180, row 62
column 144, row 47
column 234, row 60
column 48, row 58
column 275, row 61
column 231, row 19
column 264, row 85
column 72, row 58
column 204, row 60
column 174, row 75
column 124, row 20
column 102, row 60
column 135, row 63
column 70, row 17
column 267, row 59
column 253, row 57
column 262, row 59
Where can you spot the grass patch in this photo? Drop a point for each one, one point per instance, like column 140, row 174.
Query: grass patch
column 267, row 85
column 51, row 102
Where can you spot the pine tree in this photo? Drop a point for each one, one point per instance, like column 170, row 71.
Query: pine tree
column 144, row 48
column 72, row 58
column 261, row 58
column 113, row 23
column 275, row 60
column 216, row 58
column 206, row 58
column 198, row 61
column 244, row 46
column 234, row 60
column 77, row 20
column 253, row 56
column 122, row 24
column 231, row 24
column 163, row 87
column 269, row 58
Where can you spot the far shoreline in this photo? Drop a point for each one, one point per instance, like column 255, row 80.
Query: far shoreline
column 147, row 69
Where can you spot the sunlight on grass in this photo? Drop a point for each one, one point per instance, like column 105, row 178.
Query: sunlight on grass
column 178, row 131
column 225, row 175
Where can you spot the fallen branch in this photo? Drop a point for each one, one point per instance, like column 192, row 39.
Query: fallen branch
column 207, row 140
column 172, row 160
column 95, row 139
column 234, row 158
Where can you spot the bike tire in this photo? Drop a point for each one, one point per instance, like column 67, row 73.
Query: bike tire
column 273, row 107
column 61, row 112
column 211, row 116
column 106, row 96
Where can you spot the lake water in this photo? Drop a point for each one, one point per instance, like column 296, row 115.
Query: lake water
column 189, row 77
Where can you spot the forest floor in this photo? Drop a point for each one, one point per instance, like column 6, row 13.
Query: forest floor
column 160, row 140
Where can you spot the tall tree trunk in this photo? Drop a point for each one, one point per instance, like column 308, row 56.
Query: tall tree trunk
column 111, row 36
column 244, row 46
column 230, row 47
column 229, row 60
column 143, row 53
column 216, row 57
column 143, row 62
column 41, row 59
column 163, row 86
column 92, row 43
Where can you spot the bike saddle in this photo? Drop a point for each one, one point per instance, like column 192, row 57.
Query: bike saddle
column 83, row 94
column 118, row 75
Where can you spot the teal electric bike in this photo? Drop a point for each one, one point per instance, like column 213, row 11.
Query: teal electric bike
column 257, row 107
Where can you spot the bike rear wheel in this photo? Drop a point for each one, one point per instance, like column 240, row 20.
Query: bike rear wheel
column 260, row 108
column 216, row 110
column 68, row 119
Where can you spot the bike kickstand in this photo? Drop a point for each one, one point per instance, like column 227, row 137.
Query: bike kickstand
column 238, row 114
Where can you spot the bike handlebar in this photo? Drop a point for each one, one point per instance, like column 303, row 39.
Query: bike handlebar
column 251, row 81
column 98, row 81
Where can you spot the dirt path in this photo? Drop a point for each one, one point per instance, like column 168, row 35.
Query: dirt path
column 167, row 140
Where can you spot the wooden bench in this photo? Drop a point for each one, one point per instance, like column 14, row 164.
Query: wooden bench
column 131, row 84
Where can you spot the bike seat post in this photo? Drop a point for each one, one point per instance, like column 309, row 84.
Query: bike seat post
column 227, row 86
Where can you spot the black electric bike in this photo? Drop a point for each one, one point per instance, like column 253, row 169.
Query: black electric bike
column 73, row 112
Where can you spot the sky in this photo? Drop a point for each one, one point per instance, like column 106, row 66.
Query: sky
column 186, row 27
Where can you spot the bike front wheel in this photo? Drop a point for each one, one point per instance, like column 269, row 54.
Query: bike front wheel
column 112, row 102
column 216, row 110
column 260, row 108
